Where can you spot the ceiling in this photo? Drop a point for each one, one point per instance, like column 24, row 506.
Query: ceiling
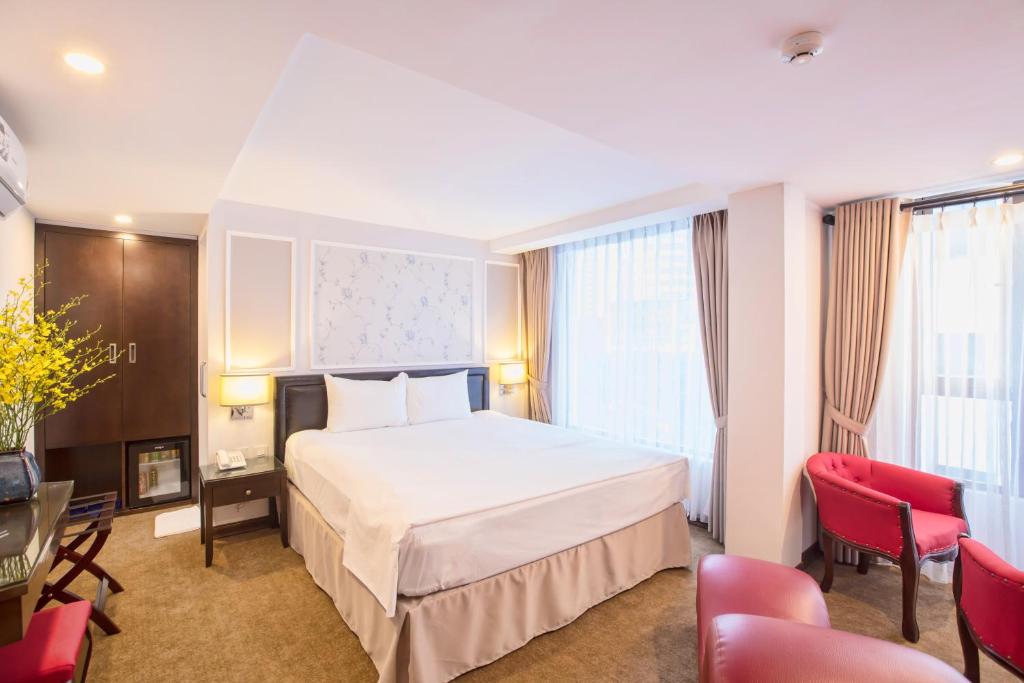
column 484, row 119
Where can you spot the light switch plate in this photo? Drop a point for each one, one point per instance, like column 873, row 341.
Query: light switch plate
column 241, row 412
column 259, row 451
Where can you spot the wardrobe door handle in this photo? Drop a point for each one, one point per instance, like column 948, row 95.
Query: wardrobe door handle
column 112, row 350
column 202, row 379
column 131, row 352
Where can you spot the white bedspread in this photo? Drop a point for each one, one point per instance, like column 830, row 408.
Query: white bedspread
column 432, row 506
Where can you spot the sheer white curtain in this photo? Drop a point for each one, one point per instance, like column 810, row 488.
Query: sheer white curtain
column 951, row 401
column 628, row 362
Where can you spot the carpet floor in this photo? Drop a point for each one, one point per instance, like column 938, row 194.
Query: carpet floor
column 256, row 615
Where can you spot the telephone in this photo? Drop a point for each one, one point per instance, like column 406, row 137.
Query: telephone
column 229, row 460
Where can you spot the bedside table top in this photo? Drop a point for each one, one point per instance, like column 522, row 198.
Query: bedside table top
column 253, row 466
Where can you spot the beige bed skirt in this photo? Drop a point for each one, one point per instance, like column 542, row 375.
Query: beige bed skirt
column 437, row 637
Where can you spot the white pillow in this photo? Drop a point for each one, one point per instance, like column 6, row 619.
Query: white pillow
column 354, row 404
column 445, row 397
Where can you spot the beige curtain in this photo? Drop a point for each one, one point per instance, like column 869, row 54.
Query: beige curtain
column 867, row 249
column 712, row 272
column 538, row 304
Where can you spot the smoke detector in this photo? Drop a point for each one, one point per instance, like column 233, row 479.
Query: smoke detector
column 803, row 47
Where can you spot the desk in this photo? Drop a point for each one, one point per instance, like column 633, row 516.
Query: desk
column 29, row 535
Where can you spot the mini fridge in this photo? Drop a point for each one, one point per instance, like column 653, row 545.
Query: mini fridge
column 158, row 472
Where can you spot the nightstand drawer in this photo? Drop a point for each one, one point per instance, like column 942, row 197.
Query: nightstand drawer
column 244, row 488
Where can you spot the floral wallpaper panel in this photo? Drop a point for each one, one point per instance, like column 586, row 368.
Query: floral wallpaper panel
column 373, row 307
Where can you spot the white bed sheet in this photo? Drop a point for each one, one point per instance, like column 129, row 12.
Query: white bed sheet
column 433, row 506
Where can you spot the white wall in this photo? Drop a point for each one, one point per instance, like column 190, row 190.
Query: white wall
column 803, row 362
column 17, row 251
column 774, row 370
column 17, row 247
column 221, row 432
column 817, row 256
column 203, row 354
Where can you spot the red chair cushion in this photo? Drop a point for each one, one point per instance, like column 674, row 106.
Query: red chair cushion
column 934, row 532
column 743, row 648
column 992, row 600
column 728, row 584
column 49, row 651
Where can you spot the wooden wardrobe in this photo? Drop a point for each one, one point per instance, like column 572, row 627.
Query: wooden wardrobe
column 141, row 291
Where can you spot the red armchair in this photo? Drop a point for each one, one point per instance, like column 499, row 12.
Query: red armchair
column 989, row 596
column 903, row 515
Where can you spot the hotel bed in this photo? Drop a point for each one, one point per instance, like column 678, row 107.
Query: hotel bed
column 448, row 544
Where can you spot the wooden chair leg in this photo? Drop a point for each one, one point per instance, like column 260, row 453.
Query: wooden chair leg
column 972, row 667
column 82, row 668
column 911, row 579
column 863, row 563
column 829, row 550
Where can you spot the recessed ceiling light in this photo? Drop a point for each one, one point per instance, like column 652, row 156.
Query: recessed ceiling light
column 84, row 63
column 1008, row 159
column 123, row 219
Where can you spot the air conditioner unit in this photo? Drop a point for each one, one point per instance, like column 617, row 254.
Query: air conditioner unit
column 13, row 171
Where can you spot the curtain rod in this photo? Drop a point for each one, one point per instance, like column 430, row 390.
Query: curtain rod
column 954, row 198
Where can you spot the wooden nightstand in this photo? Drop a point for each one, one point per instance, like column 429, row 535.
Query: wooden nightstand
column 262, row 477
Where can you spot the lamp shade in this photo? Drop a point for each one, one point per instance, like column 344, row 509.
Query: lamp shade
column 244, row 390
column 512, row 373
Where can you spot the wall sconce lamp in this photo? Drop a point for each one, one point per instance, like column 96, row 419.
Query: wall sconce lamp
column 509, row 375
column 242, row 392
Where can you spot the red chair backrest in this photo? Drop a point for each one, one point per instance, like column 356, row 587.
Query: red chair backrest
column 855, row 516
column 992, row 600
column 850, row 467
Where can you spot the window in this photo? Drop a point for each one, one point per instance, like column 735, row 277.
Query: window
column 628, row 361
column 966, row 403
column 951, row 399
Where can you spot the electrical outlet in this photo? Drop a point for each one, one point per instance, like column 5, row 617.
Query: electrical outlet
column 259, row 451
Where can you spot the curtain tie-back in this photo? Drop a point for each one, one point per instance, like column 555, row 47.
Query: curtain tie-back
column 720, row 422
column 533, row 380
column 847, row 423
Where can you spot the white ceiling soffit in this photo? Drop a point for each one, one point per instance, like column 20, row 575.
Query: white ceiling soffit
column 664, row 207
column 347, row 134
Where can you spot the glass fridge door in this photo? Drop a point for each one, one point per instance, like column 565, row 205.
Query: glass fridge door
column 159, row 472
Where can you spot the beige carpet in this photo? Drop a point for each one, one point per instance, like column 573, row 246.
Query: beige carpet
column 256, row 615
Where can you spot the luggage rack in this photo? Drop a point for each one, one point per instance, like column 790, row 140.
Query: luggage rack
column 87, row 517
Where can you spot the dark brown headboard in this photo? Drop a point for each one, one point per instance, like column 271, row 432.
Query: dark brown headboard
column 300, row 401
